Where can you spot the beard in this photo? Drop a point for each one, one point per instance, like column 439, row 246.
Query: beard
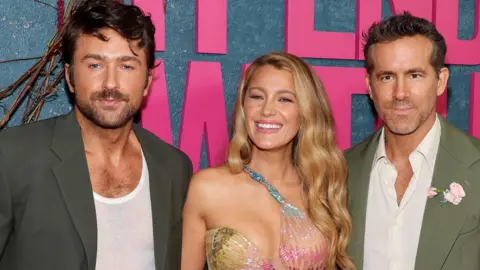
column 107, row 119
column 404, row 124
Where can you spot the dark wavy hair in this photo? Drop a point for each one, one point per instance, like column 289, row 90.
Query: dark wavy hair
column 91, row 16
column 405, row 25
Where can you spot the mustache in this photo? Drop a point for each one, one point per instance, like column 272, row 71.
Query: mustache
column 401, row 104
column 110, row 94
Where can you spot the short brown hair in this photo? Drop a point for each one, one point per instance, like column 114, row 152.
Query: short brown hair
column 405, row 25
column 91, row 16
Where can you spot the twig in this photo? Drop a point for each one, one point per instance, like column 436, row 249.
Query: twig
column 35, row 88
column 22, row 94
column 35, row 113
column 39, row 99
column 20, row 59
column 47, row 4
column 9, row 90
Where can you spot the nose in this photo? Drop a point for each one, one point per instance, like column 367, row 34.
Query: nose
column 401, row 91
column 268, row 108
column 111, row 78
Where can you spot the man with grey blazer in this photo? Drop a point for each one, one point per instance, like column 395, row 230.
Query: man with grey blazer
column 91, row 189
column 414, row 184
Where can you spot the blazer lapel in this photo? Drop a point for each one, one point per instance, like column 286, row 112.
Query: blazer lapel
column 441, row 225
column 160, row 192
column 360, row 167
column 74, row 182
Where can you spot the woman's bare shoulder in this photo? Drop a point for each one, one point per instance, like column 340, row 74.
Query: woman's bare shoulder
column 212, row 180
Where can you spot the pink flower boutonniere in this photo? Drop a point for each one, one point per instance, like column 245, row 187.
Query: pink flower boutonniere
column 454, row 194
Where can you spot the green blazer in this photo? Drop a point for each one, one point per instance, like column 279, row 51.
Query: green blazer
column 47, row 211
column 450, row 235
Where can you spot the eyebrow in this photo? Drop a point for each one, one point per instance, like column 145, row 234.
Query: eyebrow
column 409, row 71
column 383, row 73
column 123, row 58
column 416, row 70
column 283, row 91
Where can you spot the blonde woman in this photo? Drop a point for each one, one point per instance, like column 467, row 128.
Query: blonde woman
column 279, row 202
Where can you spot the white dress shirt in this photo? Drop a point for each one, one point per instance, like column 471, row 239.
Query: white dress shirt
column 392, row 231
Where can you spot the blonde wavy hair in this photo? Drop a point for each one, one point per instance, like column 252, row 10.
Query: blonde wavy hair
column 315, row 155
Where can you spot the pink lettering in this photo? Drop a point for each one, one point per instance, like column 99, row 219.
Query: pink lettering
column 211, row 26
column 157, row 11
column 204, row 110
column 417, row 8
column 204, row 105
column 155, row 115
column 340, row 91
column 474, row 125
column 463, row 52
column 302, row 40
column 368, row 12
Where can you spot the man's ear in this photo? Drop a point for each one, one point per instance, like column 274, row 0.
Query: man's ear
column 69, row 77
column 442, row 80
column 367, row 82
column 148, row 82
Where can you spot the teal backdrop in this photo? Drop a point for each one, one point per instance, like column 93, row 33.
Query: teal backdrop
column 255, row 27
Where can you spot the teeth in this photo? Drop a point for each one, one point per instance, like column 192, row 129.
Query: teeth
column 261, row 125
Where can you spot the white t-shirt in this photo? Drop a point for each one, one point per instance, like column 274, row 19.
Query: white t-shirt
column 125, row 230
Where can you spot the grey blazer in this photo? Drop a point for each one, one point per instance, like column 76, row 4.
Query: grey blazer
column 47, row 212
column 450, row 235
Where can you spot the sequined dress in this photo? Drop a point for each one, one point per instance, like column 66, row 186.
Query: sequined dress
column 302, row 246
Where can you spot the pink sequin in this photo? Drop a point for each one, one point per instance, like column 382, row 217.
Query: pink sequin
column 267, row 267
column 302, row 246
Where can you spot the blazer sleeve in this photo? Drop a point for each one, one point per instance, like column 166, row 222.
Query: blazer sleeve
column 186, row 182
column 175, row 246
column 5, row 207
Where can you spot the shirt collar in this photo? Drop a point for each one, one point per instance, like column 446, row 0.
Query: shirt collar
column 427, row 147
